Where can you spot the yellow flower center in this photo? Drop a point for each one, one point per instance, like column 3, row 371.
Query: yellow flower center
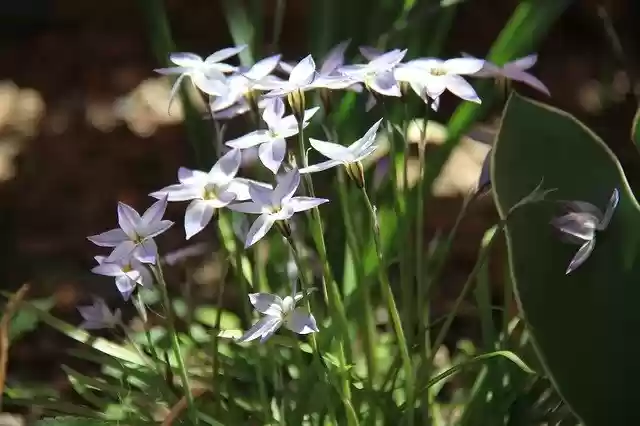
column 438, row 71
column 210, row 192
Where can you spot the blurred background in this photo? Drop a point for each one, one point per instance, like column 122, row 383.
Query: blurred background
column 84, row 124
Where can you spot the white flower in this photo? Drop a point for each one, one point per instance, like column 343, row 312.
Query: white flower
column 99, row 315
column 514, row 70
column 127, row 274
column 242, row 83
column 579, row 226
column 208, row 191
column 328, row 76
column 377, row 74
column 274, row 205
column 272, row 144
column 300, row 79
column 135, row 235
column 431, row 77
column 344, row 155
column 277, row 312
column 207, row 75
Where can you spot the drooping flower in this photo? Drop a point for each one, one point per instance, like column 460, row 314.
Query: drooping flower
column 271, row 143
column 243, row 86
column 579, row 226
column 377, row 74
column 98, row 315
column 430, row 77
column 207, row 191
column 348, row 156
column 207, row 74
column 135, row 235
column 278, row 312
column 515, row 70
column 274, row 205
column 127, row 273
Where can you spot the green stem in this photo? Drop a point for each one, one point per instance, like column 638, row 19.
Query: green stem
column 387, row 294
column 175, row 344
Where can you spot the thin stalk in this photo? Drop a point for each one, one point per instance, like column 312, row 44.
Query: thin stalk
column 216, row 339
column 406, row 283
column 387, row 294
column 344, row 386
column 175, row 344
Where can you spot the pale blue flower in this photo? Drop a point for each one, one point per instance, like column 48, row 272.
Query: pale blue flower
column 514, row 70
column 207, row 191
column 579, row 226
column 278, row 312
column 272, row 146
column 274, row 205
column 128, row 274
column 377, row 74
column 207, row 74
column 344, row 155
column 135, row 235
column 300, row 79
column 98, row 315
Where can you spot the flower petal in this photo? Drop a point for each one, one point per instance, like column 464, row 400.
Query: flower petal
column 108, row 269
column 186, row 175
column 125, row 286
column 287, row 186
column 122, row 252
column 387, row 60
column 246, row 207
column 611, row 207
column 240, row 187
column 435, row 85
column 370, row 53
column 580, row 225
column 272, row 154
column 185, row 59
column 250, row 139
column 154, row 213
column 154, row 229
column 267, row 304
column 463, row 65
column 178, row 192
column 225, row 53
column 528, row 79
column 300, row 204
column 128, row 219
column 197, row 216
column 385, row 84
column 522, row 63
column 260, row 328
column 335, row 58
column 583, row 254
column 461, row 88
column 109, row 239
column 325, row 165
column 147, row 251
column 226, row 167
column 258, row 229
column 302, row 322
column 213, row 83
column 273, row 113
column 304, row 72
column 367, row 140
column 263, row 68
column 332, row 150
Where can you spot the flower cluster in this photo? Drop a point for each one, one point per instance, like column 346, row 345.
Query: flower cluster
column 234, row 90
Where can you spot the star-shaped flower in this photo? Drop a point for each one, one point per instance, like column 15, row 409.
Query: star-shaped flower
column 135, row 234
column 377, row 74
column 515, row 70
column 345, row 155
column 300, row 79
column 430, row 77
column 98, row 315
column 208, row 191
column 272, row 142
column 579, row 226
column 278, row 312
column 208, row 74
column 274, row 205
column 241, row 86
column 127, row 273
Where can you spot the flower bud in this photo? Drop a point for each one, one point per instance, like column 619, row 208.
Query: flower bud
column 356, row 173
column 297, row 103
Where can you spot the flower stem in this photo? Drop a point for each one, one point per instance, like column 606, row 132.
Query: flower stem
column 387, row 294
column 175, row 343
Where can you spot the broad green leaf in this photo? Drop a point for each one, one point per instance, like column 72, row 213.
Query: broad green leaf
column 584, row 324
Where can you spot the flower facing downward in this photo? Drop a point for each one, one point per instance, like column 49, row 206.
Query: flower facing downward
column 514, row 70
column 579, row 226
column 208, row 191
column 278, row 312
column 272, row 144
column 206, row 74
column 345, row 155
column 127, row 273
column 136, row 233
column 99, row 315
column 274, row 205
